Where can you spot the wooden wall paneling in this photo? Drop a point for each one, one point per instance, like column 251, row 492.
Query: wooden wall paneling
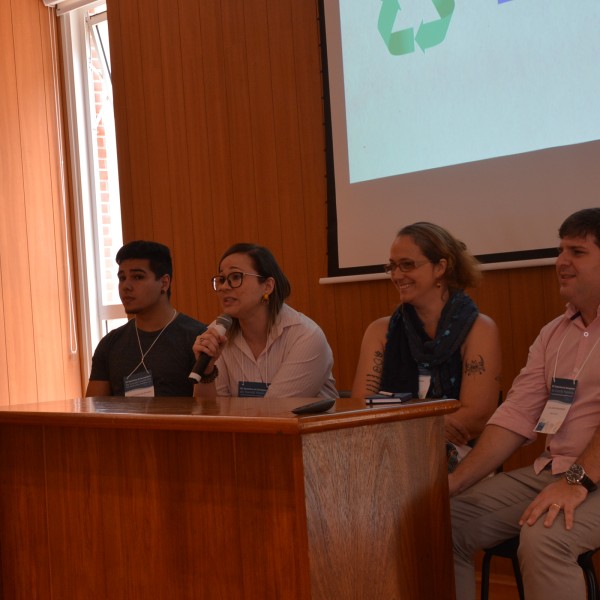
column 241, row 165
column 492, row 296
column 311, row 130
column 161, row 178
column 14, row 253
column 527, row 316
column 393, row 296
column 177, row 156
column 554, row 303
column 262, row 146
column 307, row 67
column 322, row 310
column 286, row 98
column 547, row 305
column 219, row 123
column 349, row 332
column 376, row 301
column 357, row 306
column 305, row 44
column 130, row 92
column 374, row 304
column 527, row 311
column 203, row 257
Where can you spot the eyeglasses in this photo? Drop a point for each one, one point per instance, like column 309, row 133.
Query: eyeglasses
column 234, row 279
column 406, row 265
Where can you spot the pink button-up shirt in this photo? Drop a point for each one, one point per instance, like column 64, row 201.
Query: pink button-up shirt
column 565, row 348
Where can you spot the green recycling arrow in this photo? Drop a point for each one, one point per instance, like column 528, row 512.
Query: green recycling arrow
column 433, row 33
column 398, row 42
column 428, row 35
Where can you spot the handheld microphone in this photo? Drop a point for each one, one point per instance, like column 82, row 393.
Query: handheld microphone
column 221, row 324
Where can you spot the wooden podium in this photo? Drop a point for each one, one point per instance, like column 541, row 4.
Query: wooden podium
column 234, row 498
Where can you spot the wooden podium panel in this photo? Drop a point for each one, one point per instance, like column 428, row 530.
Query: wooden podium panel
column 183, row 498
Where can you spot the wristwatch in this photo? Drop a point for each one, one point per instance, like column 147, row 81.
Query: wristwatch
column 576, row 475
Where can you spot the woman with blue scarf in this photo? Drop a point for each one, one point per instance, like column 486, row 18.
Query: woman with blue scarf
column 436, row 344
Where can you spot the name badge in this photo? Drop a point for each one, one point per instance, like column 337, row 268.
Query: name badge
column 562, row 394
column 424, row 381
column 252, row 389
column 139, row 384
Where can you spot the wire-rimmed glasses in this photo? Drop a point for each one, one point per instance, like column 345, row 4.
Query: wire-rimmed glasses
column 406, row 265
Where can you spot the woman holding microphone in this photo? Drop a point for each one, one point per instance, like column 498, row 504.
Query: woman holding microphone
column 270, row 350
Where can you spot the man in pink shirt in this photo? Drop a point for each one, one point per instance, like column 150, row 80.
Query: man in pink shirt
column 553, row 504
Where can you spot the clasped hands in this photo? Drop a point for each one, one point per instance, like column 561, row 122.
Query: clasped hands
column 456, row 432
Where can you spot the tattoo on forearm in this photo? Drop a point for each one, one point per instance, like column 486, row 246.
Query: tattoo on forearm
column 373, row 384
column 475, row 366
column 374, row 379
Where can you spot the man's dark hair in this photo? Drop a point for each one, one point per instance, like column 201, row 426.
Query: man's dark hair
column 581, row 224
column 158, row 255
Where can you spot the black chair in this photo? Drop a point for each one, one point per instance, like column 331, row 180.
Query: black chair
column 508, row 549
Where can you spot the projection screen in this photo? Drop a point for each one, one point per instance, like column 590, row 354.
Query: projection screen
column 481, row 116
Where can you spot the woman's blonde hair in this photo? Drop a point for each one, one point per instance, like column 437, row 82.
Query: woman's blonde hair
column 462, row 269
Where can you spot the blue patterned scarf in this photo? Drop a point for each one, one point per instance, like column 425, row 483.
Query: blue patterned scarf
column 408, row 347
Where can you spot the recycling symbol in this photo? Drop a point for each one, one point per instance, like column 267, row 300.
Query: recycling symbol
column 428, row 34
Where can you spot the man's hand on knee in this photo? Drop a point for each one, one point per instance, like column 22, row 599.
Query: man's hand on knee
column 556, row 497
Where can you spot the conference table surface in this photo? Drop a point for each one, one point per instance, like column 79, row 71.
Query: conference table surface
column 258, row 415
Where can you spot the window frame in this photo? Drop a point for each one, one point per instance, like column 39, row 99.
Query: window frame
column 95, row 316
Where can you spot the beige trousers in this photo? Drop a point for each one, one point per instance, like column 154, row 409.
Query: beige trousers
column 488, row 513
